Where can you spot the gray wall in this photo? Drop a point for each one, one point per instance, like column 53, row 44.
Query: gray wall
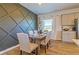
column 14, row 19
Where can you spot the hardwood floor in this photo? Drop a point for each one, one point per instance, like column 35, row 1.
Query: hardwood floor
column 62, row 48
column 55, row 48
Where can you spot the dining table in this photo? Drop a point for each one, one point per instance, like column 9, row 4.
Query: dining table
column 38, row 38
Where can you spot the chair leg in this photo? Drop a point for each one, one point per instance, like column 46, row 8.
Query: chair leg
column 36, row 51
column 49, row 42
column 20, row 52
column 45, row 49
column 47, row 45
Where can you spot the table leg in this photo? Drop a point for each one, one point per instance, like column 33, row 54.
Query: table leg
column 20, row 52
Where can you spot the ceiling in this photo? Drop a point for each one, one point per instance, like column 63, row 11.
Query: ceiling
column 49, row 7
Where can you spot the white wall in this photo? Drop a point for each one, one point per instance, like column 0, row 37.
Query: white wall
column 57, row 17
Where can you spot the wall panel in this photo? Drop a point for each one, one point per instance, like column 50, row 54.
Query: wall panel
column 14, row 19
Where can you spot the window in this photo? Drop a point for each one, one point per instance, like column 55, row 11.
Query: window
column 47, row 25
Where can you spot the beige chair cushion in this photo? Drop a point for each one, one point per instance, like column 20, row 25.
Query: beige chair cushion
column 32, row 47
column 44, row 42
column 76, row 41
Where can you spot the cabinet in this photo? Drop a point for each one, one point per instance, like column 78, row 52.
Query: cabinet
column 67, row 36
column 77, row 15
column 68, row 19
column 68, row 23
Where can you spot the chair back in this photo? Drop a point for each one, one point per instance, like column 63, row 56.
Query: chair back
column 31, row 33
column 48, row 35
column 23, row 41
column 35, row 33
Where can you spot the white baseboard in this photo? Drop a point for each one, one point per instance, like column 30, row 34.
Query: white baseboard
column 9, row 49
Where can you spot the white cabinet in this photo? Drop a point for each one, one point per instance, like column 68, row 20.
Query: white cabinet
column 68, row 19
column 67, row 36
column 76, row 15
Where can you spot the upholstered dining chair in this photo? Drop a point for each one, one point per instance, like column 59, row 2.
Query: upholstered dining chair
column 46, row 42
column 31, row 33
column 25, row 44
column 35, row 32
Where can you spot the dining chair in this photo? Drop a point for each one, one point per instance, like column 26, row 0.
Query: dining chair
column 35, row 32
column 46, row 41
column 31, row 33
column 25, row 44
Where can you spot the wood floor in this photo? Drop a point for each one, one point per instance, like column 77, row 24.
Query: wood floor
column 61, row 48
column 55, row 48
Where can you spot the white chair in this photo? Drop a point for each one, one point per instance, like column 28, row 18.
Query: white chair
column 76, row 41
column 31, row 33
column 35, row 32
column 35, row 35
column 45, row 42
column 25, row 44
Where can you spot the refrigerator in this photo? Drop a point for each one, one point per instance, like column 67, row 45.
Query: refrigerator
column 76, row 27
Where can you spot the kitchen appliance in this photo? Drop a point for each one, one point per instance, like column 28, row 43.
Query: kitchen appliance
column 76, row 27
